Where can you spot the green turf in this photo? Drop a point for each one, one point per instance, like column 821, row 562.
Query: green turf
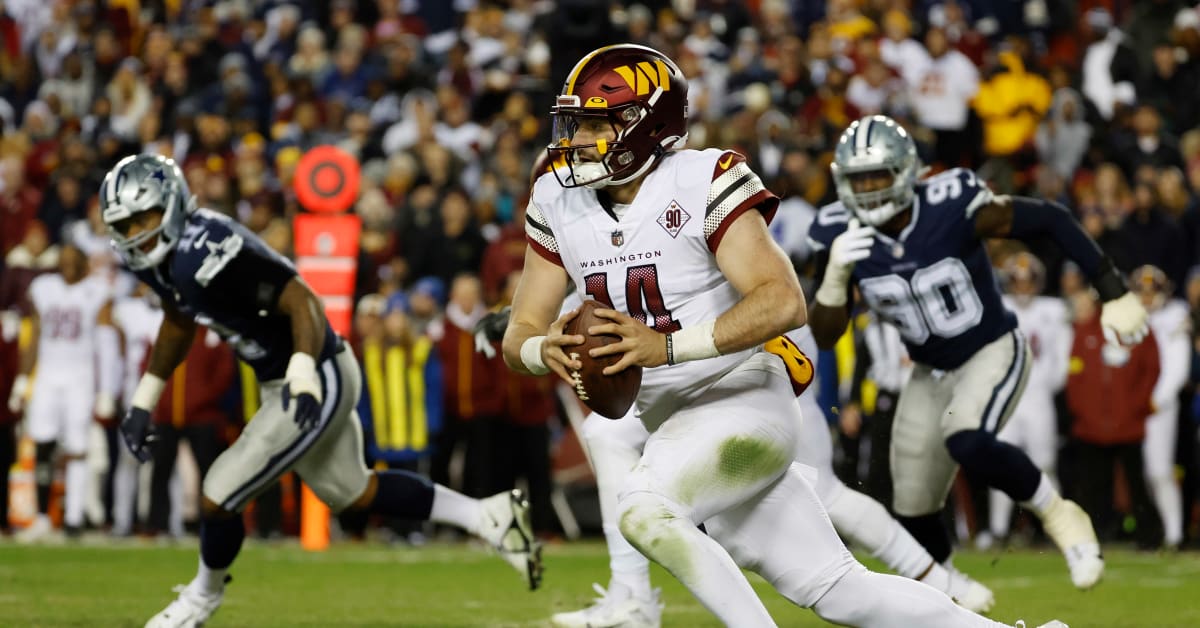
column 459, row 585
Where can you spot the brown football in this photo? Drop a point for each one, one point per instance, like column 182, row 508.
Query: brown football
column 610, row 396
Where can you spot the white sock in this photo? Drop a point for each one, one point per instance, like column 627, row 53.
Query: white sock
column 1169, row 499
column 1001, row 515
column 454, row 508
column 209, row 580
column 76, row 492
column 1044, row 499
column 630, row 570
column 868, row 525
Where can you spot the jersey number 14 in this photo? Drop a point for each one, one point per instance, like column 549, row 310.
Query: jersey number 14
column 641, row 286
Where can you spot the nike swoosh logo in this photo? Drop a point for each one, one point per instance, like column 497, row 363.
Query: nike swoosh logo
column 724, row 163
column 199, row 243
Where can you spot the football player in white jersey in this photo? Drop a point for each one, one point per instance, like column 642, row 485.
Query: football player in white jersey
column 1171, row 323
column 71, row 315
column 676, row 242
column 1034, row 424
column 137, row 318
column 914, row 249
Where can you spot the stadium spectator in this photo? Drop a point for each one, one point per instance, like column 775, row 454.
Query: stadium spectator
column 195, row 406
column 474, row 399
column 1109, row 421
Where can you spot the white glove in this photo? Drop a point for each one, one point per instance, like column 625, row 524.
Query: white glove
column 1124, row 320
column 16, row 398
column 853, row 245
column 106, row 406
column 483, row 345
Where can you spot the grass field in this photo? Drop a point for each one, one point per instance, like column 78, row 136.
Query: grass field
column 460, row 585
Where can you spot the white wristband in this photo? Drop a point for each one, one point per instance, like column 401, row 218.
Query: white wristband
column 531, row 355
column 832, row 292
column 148, row 390
column 301, row 366
column 692, row 343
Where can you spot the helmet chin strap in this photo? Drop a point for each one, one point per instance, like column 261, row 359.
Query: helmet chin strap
column 877, row 216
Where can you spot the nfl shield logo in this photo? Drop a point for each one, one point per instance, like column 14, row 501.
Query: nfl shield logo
column 618, row 238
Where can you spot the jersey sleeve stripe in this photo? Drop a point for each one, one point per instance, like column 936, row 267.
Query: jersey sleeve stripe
column 729, row 183
column 549, row 255
column 764, row 200
column 983, row 197
column 539, row 235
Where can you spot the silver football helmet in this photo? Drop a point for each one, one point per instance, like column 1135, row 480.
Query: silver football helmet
column 870, row 145
column 137, row 184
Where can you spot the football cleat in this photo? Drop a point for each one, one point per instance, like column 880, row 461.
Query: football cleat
column 969, row 593
column 507, row 527
column 39, row 530
column 191, row 609
column 609, row 612
column 1050, row 624
column 1072, row 531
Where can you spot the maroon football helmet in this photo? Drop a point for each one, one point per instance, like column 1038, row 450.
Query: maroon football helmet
column 636, row 90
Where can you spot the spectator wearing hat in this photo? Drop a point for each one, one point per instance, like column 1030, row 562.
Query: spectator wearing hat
column 426, row 298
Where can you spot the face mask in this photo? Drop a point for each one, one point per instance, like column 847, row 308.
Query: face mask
column 1147, row 144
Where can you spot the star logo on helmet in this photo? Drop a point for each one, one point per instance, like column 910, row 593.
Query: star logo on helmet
column 159, row 175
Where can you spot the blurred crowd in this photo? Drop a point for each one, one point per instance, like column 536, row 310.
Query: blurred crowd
column 1091, row 103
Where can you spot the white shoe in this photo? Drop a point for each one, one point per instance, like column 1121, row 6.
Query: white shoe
column 39, row 530
column 609, row 612
column 191, row 609
column 1072, row 531
column 506, row 525
column 1051, row 624
column 969, row 593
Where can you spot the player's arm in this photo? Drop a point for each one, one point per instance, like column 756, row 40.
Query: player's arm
column 175, row 336
column 533, row 342
column 304, row 308
column 1025, row 218
column 108, row 357
column 829, row 320
column 772, row 301
column 830, row 313
column 27, row 347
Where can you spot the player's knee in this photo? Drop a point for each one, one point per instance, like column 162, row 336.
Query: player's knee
column 648, row 522
column 212, row 510
column 367, row 497
column 970, row 448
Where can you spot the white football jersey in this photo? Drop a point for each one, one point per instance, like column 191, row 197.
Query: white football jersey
column 657, row 261
column 67, row 317
column 138, row 321
column 1046, row 324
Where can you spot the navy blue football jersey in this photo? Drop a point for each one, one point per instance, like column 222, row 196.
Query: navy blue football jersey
column 934, row 282
column 229, row 280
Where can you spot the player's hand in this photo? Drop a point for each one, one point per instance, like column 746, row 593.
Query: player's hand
column 639, row 344
column 302, row 391
column 849, row 248
column 106, row 406
column 554, row 352
column 16, row 398
column 1124, row 320
column 138, row 433
column 850, row 420
column 852, row 246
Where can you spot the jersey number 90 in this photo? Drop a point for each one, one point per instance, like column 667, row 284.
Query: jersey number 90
column 939, row 300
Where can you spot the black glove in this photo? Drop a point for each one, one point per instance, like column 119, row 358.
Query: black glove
column 308, row 409
column 138, row 432
column 493, row 325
